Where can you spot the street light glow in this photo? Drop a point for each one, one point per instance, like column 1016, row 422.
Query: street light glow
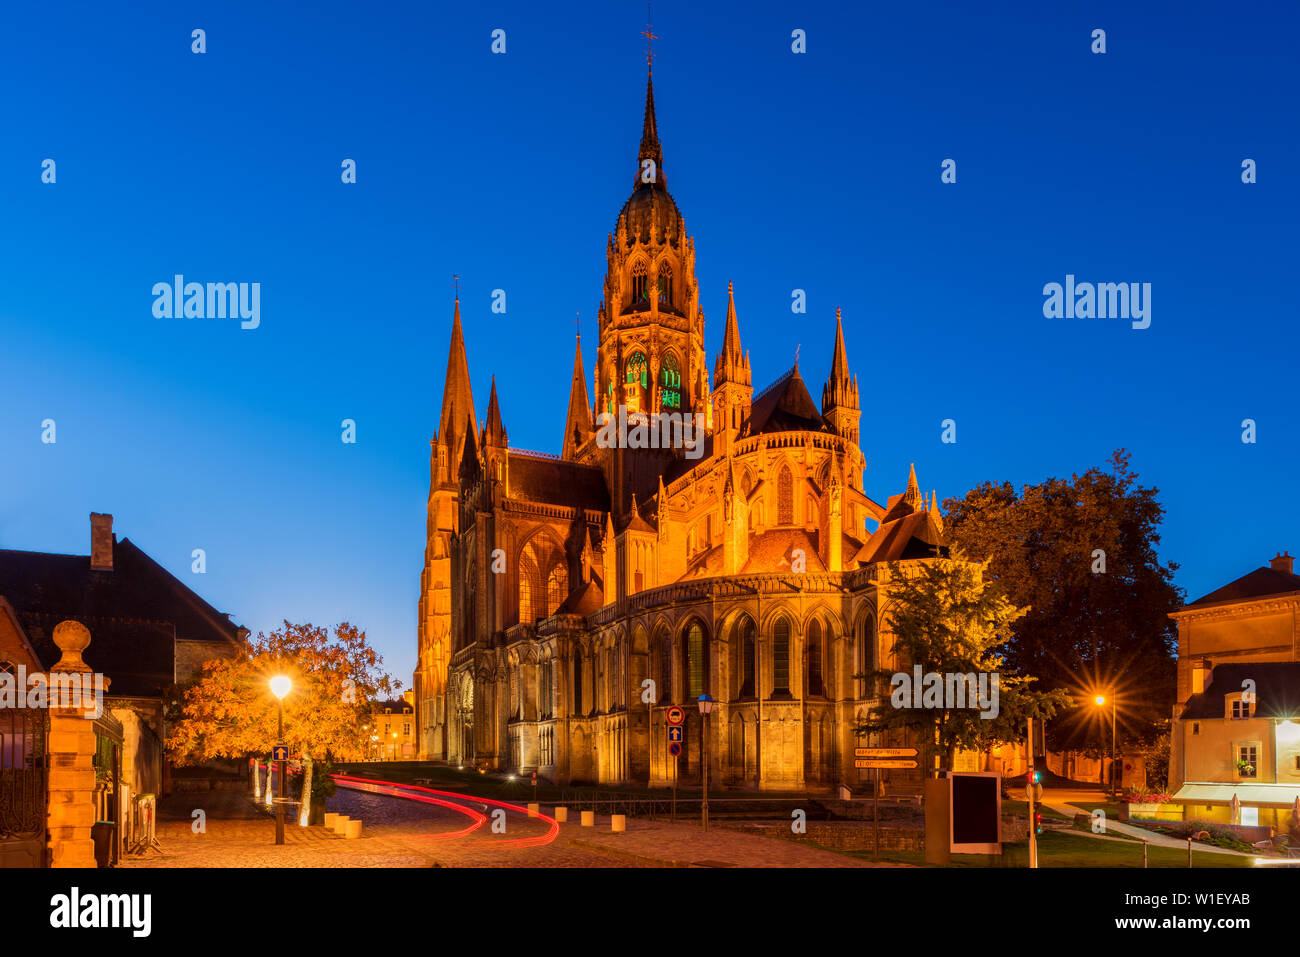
column 1100, row 699
column 280, row 686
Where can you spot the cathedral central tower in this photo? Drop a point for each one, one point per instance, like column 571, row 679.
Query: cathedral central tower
column 651, row 353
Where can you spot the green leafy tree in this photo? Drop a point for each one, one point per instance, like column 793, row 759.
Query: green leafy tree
column 948, row 620
column 1081, row 554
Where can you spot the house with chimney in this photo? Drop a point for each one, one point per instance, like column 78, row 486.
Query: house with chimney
column 1236, row 728
column 149, row 632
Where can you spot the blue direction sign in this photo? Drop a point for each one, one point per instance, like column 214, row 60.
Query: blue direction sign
column 280, row 752
column 674, row 748
column 675, row 732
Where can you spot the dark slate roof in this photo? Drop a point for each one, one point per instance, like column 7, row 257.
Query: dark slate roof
column 1277, row 689
column 136, row 588
column 1260, row 583
column 400, row 706
column 583, row 601
column 136, row 655
column 556, row 482
column 135, row 613
column 785, row 406
column 912, row 536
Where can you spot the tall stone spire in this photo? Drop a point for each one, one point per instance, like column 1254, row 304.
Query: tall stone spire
column 494, row 433
column 913, row 494
column 458, row 421
column 732, row 364
column 578, row 425
column 840, row 405
column 650, row 147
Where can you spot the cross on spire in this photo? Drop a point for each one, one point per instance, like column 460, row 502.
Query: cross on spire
column 456, row 285
column 649, row 34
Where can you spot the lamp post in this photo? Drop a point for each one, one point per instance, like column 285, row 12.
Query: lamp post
column 1101, row 703
column 706, row 707
column 280, row 686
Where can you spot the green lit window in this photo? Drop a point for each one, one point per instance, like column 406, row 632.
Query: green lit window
column 670, row 382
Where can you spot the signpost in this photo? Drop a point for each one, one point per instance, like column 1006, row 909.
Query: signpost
column 877, row 759
column 675, row 716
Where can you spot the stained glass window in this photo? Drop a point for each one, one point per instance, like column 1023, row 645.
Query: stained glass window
column 785, row 497
column 638, row 382
column 814, row 641
column 666, row 284
column 639, row 281
column 695, row 661
column 746, row 633
column 670, row 380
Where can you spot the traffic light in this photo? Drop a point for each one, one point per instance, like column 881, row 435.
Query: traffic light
column 1038, row 823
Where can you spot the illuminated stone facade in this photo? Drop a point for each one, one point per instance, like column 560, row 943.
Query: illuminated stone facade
column 566, row 601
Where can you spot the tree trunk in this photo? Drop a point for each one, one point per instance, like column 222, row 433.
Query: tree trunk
column 304, row 814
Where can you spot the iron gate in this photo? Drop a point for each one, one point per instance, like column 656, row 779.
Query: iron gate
column 23, row 775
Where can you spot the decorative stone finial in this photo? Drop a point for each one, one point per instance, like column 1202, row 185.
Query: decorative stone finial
column 73, row 638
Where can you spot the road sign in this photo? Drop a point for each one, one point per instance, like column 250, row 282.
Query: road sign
column 675, row 732
column 280, row 752
column 884, row 752
column 675, row 748
column 675, row 715
column 895, row 763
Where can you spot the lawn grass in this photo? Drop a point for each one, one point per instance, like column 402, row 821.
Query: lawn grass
column 1063, row 849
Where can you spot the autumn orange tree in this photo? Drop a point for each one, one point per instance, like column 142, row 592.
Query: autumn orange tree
column 231, row 713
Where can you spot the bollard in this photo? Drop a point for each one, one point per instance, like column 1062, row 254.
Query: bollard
column 340, row 823
column 330, row 818
column 588, row 818
column 618, row 822
column 1144, row 852
column 562, row 814
column 353, row 829
column 534, row 809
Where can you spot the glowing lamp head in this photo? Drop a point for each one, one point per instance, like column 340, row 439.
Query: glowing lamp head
column 1100, row 699
column 280, row 686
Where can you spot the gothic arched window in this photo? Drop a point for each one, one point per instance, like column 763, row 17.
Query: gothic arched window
column 781, row 657
column 638, row 382
column 639, row 282
column 543, row 579
column 785, row 497
column 867, row 657
column 670, row 380
column 696, row 672
column 746, row 656
column 666, row 284
column 813, row 641
column 665, row 669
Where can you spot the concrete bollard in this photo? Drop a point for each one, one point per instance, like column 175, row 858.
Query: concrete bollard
column 330, row 818
column 353, row 829
column 534, row 809
column 588, row 818
column 340, row 823
column 562, row 814
column 618, row 822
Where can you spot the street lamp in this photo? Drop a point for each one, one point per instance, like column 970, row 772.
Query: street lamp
column 1101, row 703
column 280, row 686
column 706, row 708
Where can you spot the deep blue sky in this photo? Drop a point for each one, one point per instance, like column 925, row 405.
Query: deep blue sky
column 816, row 171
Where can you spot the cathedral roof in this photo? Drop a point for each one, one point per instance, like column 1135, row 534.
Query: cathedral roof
column 551, row 481
column 785, row 406
column 916, row 535
column 583, row 601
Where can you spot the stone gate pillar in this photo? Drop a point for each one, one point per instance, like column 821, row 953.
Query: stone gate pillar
column 71, row 755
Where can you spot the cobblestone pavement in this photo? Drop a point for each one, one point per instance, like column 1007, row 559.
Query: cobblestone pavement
column 402, row 833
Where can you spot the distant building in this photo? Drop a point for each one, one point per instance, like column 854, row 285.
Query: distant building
column 392, row 729
column 1237, row 724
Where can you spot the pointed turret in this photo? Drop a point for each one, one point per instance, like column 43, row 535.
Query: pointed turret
column 913, row 494
column 840, row 405
column 494, row 432
column 457, row 421
column 732, row 364
column 650, row 147
column 578, row 425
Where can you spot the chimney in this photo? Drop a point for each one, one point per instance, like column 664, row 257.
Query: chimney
column 1281, row 562
column 101, row 541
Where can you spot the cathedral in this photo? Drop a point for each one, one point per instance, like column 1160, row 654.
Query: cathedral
column 567, row 601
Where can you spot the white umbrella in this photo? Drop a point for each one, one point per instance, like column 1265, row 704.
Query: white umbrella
column 1236, row 809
